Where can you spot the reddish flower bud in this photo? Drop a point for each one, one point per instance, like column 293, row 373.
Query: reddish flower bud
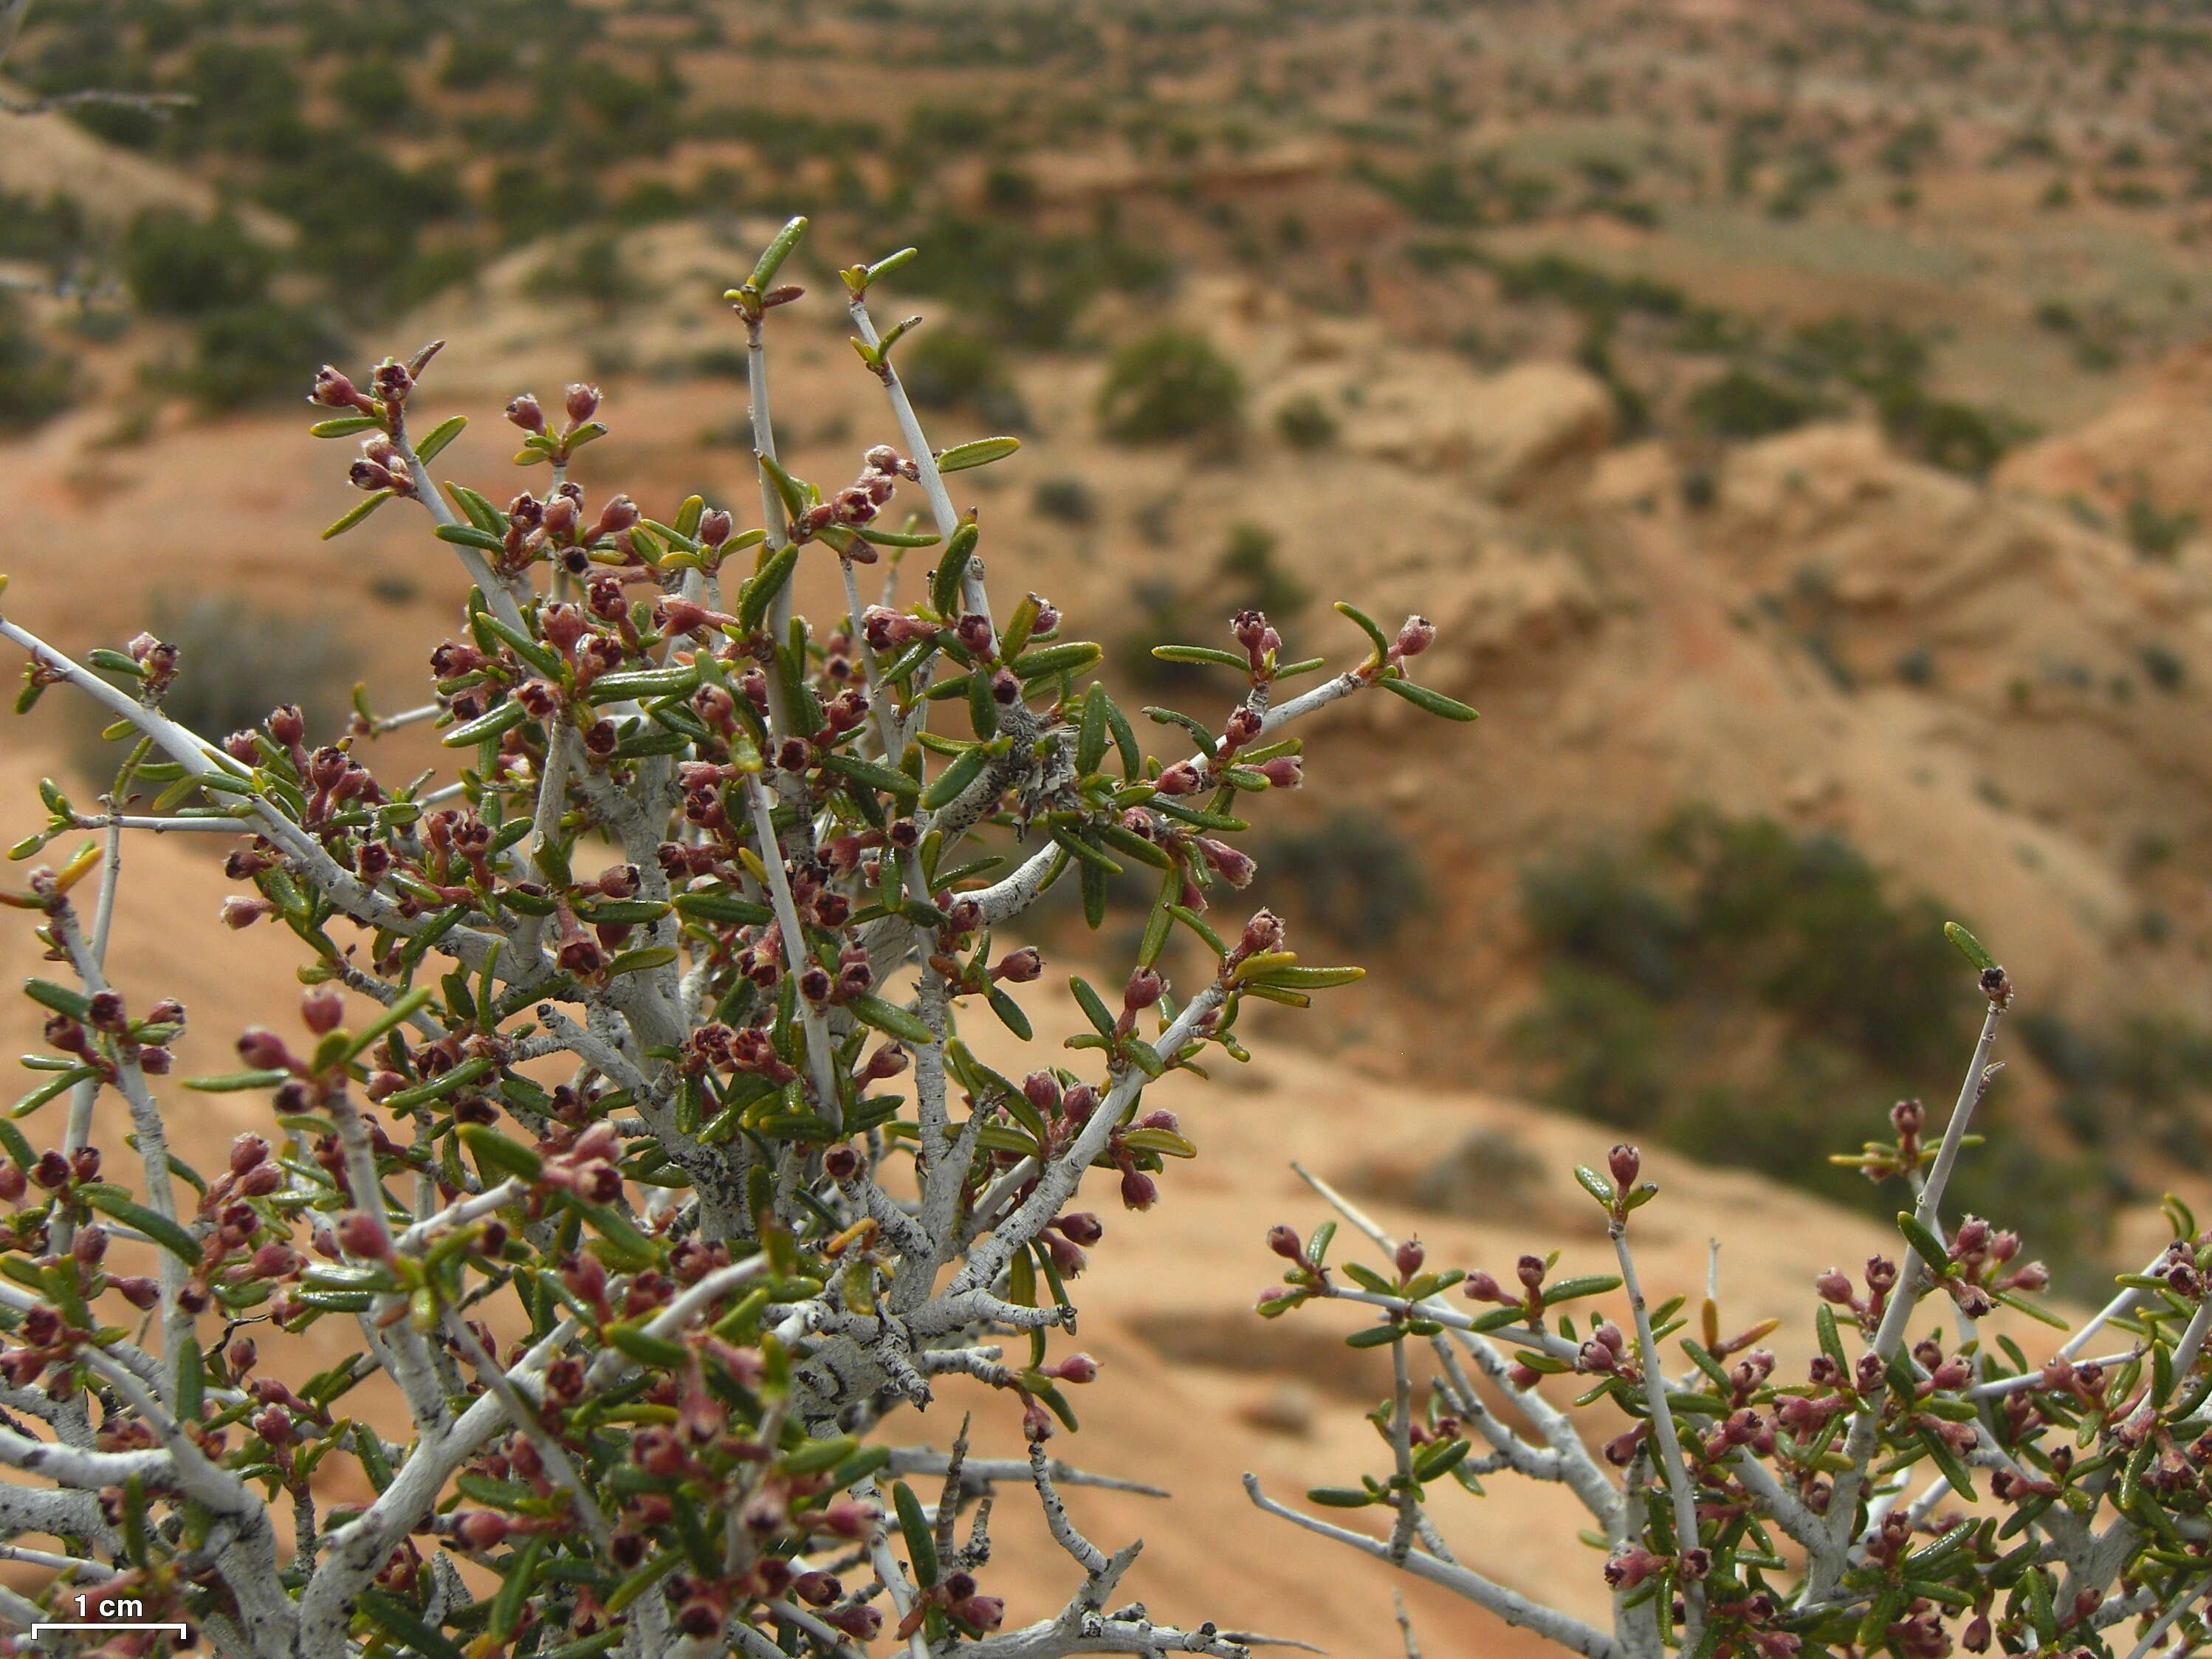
column 1283, row 1239
column 1626, row 1164
column 847, row 1517
column 1081, row 1228
column 1408, row 1258
column 1139, row 1190
column 1480, row 1286
column 264, row 1050
column 363, row 1235
column 1417, row 635
column 333, row 390
column 239, row 911
column 1020, row 967
column 482, row 1529
column 1144, row 989
column 322, row 1008
column 581, row 401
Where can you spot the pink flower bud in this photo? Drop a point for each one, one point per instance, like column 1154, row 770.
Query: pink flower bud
column 1283, row 1239
column 1626, row 1164
column 847, row 1517
column 239, row 911
column 322, row 1008
column 482, row 1529
column 364, row 1236
column 264, row 1050
column 1020, row 967
column 1139, row 1190
column 1409, row 1256
column 1081, row 1227
column 524, row 413
column 1417, row 635
column 581, row 401
column 1144, row 989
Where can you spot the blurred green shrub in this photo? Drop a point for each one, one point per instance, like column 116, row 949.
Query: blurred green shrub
column 1304, row 422
column 251, row 353
column 176, row 265
column 35, row 382
column 1736, row 989
column 1170, row 383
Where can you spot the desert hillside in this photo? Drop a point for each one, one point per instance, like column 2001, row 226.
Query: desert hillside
column 1797, row 421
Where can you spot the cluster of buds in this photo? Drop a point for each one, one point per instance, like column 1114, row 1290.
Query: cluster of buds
column 1981, row 1268
column 858, row 502
column 580, row 402
column 1836, row 1288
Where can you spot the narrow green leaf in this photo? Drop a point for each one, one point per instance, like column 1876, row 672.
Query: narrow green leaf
column 440, row 435
column 1432, row 701
column 773, row 255
column 913, row 1526
column 1969, row 947
column 113, row 1201
column 982, row 452
column 353, row 515
column 890, row 1018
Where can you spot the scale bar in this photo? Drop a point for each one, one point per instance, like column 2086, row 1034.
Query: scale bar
column 181, row 1629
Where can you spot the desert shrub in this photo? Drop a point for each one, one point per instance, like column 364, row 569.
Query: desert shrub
column 361, row 214
column 238, row 354
column 35, row 382
column 1744, row 967
column 1028, row 288
column 591, row 271
column 1350, row 875
column 54, row 232
column 1944, row 431
column 1586, row 288
column 1488, row 1167
column 590, row 1108
column 1304, row 422
column 374, row 92
column 1597, row 911
column 1603, row 1036
column 1067, row 501
column 1742, row 406
column 1696, row 1460
column 1248, row 578
column 246, row 100
column 960, row 369
column 2153, row 532
column 239, row 663
column 180, row 266
column 1167, row 385
column 2163, row 666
